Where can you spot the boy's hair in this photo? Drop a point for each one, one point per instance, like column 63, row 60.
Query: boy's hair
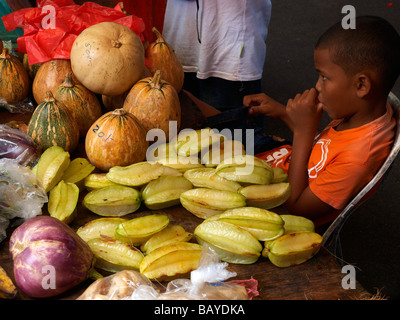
column 373, row 44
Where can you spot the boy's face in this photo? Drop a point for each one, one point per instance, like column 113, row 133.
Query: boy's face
column 335, row 88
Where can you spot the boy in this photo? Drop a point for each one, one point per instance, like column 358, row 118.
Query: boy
column 357, row 69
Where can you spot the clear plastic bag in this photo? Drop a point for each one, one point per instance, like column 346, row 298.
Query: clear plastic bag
column 207, row 283
column 21, row 195
column 24, row 106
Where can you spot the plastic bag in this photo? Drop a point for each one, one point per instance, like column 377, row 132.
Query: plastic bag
column 21, row 195
column 51, row 28
column 118, row 286
column 25, row 106
column 207, row 283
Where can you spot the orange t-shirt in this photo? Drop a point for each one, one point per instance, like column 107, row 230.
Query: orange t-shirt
column 342, row 162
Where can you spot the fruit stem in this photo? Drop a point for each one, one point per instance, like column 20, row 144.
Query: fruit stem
column 158, row 34
column 116, row 43
column 156, row 79
column 49, row 97
column 68, row 83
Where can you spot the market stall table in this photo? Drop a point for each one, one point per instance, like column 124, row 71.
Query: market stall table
column 318, row 279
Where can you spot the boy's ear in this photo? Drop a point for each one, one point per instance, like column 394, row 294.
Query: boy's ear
column 363, row 84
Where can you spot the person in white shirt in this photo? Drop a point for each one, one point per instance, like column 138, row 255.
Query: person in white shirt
column 221, row 45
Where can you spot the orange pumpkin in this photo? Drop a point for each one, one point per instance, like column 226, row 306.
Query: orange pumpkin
column 114, row 102
column 82, row 102
column 154, row 103
column 49, row 76
column 162, row 57
column 14, row 80
column 116, row 139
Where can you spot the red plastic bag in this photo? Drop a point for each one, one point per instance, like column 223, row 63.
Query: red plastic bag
column 51, row 28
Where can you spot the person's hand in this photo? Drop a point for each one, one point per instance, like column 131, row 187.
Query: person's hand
column 263, row 104
column 305, row 111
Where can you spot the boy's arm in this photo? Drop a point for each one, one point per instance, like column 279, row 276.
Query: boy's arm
column 263, row 104
column 305, row 114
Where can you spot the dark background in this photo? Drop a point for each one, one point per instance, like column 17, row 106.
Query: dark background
column 370, row 238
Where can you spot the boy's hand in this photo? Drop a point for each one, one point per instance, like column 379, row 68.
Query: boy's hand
column 305, row 111
column 262, row 104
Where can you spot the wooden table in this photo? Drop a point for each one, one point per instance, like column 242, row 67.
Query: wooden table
column 318, row 279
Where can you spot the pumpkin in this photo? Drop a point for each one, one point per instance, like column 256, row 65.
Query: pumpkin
column 117, row 102
column 115, row 139
column 114, row 102
column 31, row 69
column 81, row 102
column 49, row 76
column 154, row 103
column 162, row 57
column 14, row 80
column 53, row 124
column 108, row 58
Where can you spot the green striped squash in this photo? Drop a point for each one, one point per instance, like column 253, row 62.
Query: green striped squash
column 14, row 80
column 82, row 102
column 53, row 124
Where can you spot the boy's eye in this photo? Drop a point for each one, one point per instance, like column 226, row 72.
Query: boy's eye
column 323, row 77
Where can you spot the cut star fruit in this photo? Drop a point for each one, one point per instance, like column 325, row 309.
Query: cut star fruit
column 292, row 248
column 97, row 181
column 63, row 200
column 169, row 235
column 218, row 152
column 164, row 191
column 51, row 166
column 138, row 230
column 77, row 171
column 98, row 228
column 230, row 242
column 246, row 169
column 207, row 178
column 297, row 223
column 263, row 224
column 191, row 142
column 113, row 255
column 266, row 196
column 135, row 175
column 113, row 201
column 176, row 260
column 204, row 202
column 181, row 163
